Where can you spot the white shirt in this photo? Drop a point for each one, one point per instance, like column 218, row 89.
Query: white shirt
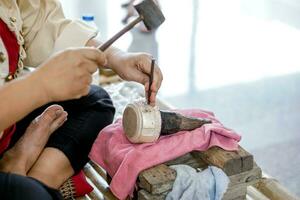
column 41, row 30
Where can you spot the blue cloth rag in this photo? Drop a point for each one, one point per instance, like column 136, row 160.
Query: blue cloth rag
column 209, row 184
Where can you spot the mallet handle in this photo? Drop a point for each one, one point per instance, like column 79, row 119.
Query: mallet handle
column 107, row 44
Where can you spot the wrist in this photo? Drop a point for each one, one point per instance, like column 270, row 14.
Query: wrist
column 115, row 56
column 38, row 87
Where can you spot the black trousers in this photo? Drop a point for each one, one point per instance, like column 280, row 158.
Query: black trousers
column 86, row 117
column 16, row 187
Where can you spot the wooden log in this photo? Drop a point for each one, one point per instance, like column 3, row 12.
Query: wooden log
column 272, row 189
column 98, row 182
column 255, row 194
column 144, row 195
column 232, row 162
column 158, row 179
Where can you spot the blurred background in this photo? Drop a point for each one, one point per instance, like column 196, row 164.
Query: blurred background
column 237, row 58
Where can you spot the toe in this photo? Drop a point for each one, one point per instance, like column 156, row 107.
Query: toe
column 51, row 114
column 58, row 122
column 46, row 119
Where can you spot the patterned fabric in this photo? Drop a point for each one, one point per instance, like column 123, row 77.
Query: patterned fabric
column 75, row 186
column 67, row 190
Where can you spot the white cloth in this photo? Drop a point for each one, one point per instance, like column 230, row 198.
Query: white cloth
column 210, row 184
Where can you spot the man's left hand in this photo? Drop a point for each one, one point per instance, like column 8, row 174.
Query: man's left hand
column 137, row 67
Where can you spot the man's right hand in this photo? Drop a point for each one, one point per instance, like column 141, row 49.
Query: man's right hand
column 68, row 74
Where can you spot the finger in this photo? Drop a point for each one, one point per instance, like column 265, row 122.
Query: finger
column 157, row 80
column 152, row 97
column 90, row 66
column 85, row 91
column 86, row 79
column 138, row 76
column 58, row 122
column 95, row 55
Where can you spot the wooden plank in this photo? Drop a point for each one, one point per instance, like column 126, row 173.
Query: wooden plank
column 155, row 180
column 144, row 195
column 158, row 179
column 249, row 177
column 232, row 162
column 235, row 192
column 272, row 189
column 98, row 182
column 190, row 160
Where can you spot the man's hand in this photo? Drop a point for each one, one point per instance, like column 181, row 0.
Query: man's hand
column 137, row 67
column 68, row 74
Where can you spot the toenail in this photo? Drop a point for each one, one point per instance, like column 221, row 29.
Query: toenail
column 59, row 112
column 36, row 120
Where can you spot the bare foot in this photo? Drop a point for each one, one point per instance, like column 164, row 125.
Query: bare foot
column 21, row 157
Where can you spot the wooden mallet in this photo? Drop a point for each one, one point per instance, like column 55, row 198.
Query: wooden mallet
column 149, row 13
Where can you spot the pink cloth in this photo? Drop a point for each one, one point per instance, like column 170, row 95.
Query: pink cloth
column 124, row 161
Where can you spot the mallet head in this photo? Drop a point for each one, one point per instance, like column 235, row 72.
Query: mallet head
column 151, row 14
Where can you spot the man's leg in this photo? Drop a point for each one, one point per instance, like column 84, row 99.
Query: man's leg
column 68, row 147
column 21, row 157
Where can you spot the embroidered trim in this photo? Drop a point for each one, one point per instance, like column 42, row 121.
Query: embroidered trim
column 11, row 23
column 67, row 190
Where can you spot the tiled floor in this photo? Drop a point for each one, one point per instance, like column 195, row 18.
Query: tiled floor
column 238, row 58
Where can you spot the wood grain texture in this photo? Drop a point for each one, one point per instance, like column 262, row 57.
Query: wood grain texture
column 249, row 177
column 189, row 160
column 157, row 180
column 255, row 194
column 231, row 162
column 272, row 189
column 144, row 195
column 235, row 192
